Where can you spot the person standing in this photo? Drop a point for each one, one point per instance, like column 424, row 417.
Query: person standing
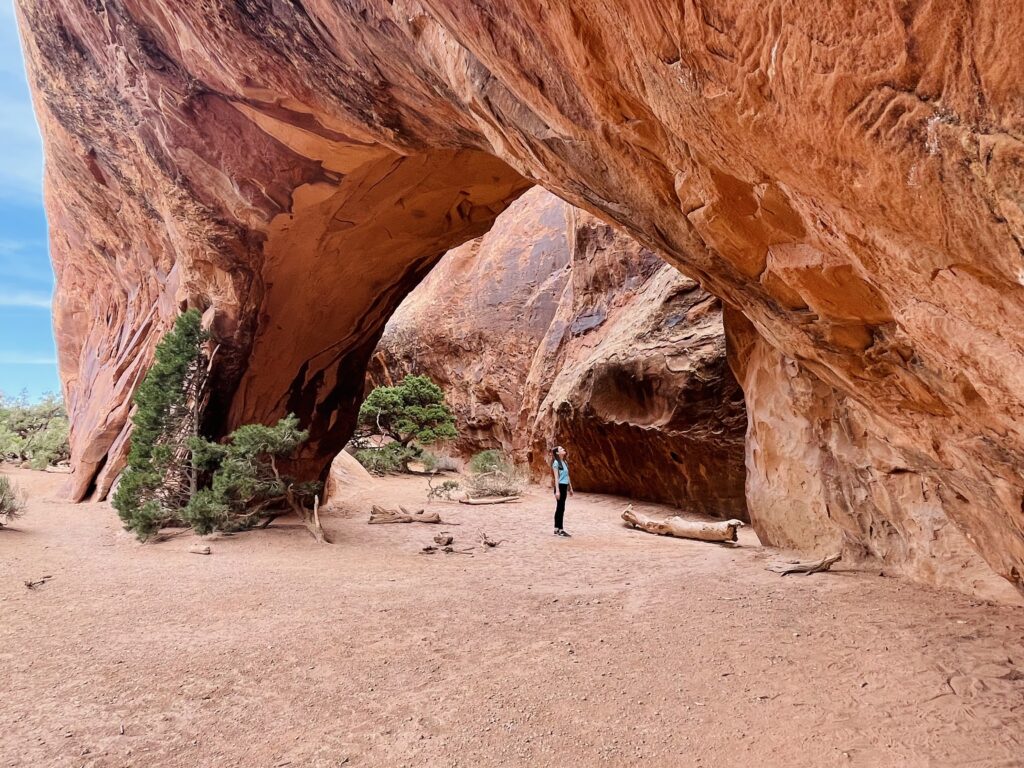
column 563, row 487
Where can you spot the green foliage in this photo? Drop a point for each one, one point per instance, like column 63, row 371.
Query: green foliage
column 485, row 461
column 157, row 480
column 34, row 432
column 246, row 484
column 389, row 458
column 442, row 491
column 428, row 460
column 412, row 411
column 491, row 473
column 12, row 501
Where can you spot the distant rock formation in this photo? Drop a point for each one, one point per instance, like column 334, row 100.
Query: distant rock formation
column 555, row 328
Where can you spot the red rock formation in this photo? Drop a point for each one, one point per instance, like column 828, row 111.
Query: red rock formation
column 553, row 327
column 475, row 323
column 849, row 177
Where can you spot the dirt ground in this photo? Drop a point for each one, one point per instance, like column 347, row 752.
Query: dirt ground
column 613, row 648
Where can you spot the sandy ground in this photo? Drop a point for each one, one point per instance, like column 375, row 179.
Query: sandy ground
column 613, row 648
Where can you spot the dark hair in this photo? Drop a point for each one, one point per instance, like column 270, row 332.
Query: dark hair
column 558, row 460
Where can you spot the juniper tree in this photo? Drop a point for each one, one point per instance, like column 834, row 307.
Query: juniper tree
column 413, row 413
column 247, row 486
column 160, row 477
column 34, row 432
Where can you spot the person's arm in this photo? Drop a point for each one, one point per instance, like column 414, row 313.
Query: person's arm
column 571, row 491
column 554, row 477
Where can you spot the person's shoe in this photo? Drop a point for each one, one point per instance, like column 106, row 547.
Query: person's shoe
column 565, row 533
column 557, row 532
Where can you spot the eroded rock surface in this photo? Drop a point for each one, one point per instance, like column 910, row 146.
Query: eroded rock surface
column 849, row 177
column 554, row 328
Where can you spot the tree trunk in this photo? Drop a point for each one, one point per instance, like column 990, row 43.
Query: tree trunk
column 683, row 529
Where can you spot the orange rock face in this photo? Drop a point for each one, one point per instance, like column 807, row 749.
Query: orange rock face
column 850, row 178
column 554, row 328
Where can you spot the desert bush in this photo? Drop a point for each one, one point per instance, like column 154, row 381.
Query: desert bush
column 428, row 460
column 385, row 460
column 448, row 464
column 12, row 501
column 442, row 491
column 34, row 432
column 485, row 461
column 491, row 473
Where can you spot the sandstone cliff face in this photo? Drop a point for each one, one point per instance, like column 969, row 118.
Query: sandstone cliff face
column 850, row 178
column 475, row 323
column 554, row 328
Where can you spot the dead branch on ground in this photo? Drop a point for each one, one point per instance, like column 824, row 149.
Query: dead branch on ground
column 490, row 500
column 380, row 515
column 489, row 542
column 808, row 567
column 33, row 583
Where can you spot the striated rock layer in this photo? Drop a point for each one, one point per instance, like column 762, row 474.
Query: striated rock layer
column 554, row 328
column 849, row 176
column 474, row 324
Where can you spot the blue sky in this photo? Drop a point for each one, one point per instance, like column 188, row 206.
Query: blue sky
column 27, row 355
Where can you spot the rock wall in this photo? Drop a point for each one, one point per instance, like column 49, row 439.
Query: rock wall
column 849, row 177
column 824, row 475
column 475, row 322
column 555, row 328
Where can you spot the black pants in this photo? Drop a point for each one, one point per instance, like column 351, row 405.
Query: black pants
column 563, row 491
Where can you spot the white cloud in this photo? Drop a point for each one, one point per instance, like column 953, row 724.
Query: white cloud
column 15, row 298
column 20, row 358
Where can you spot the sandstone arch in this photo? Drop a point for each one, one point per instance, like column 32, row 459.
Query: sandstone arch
column 849, row 177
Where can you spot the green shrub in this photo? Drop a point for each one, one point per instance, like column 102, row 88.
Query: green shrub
column 442, row 491
column 428, row 460
column 12, row 501
column 491, row 473
column 486, row 461
column 386, row 460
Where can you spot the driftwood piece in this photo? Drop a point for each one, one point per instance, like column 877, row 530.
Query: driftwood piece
column 33, row 583
column 682, row 528
column 490, row 500
column 380, row 515
column 199, row 549
column 808, row 567
column 443, row 539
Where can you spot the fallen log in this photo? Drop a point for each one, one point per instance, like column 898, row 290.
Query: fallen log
column 808, row 567
column 682, row 528
column 379, row 515
column 490, row 500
